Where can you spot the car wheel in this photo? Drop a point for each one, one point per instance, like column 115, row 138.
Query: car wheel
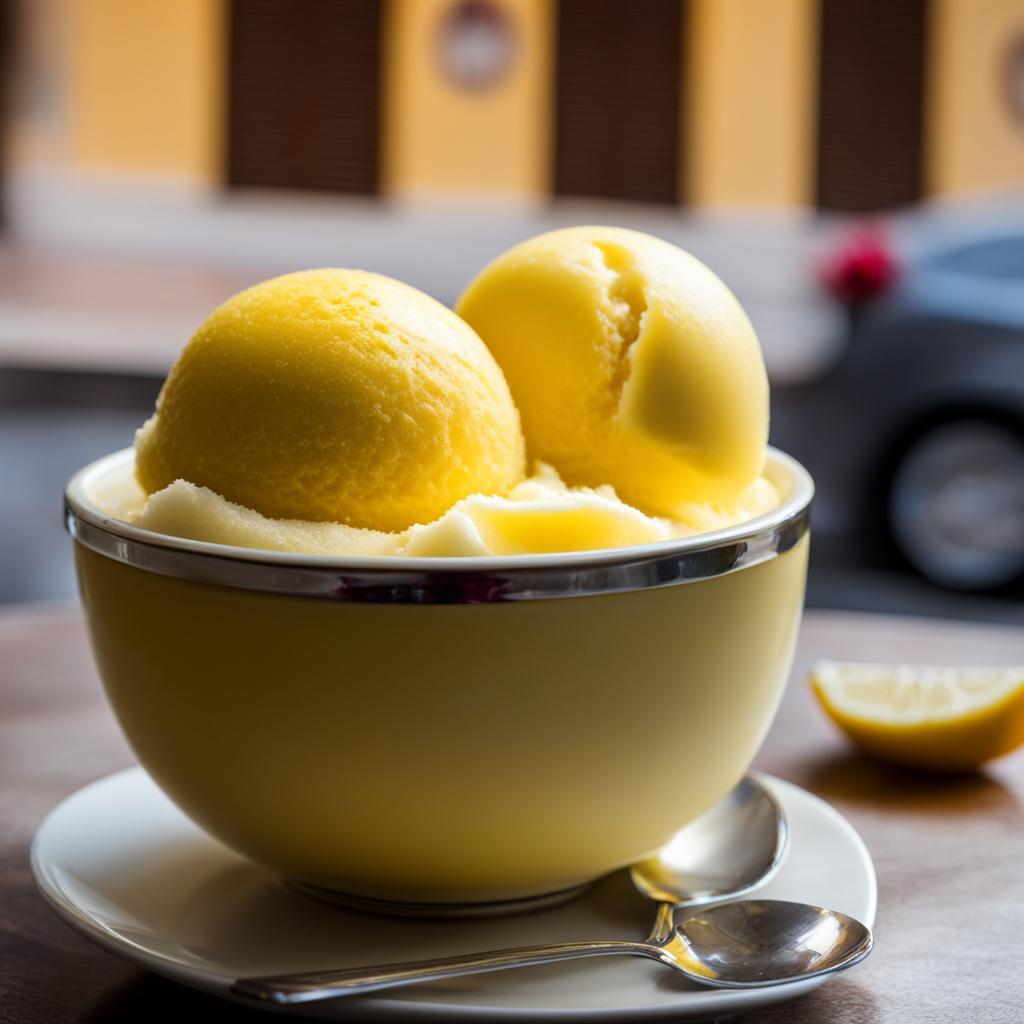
column 955, row 503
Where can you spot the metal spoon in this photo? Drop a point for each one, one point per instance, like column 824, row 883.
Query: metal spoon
column 748, row 944
column 728, row 851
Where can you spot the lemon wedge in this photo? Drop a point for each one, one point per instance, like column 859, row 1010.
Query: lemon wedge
column 940, row 718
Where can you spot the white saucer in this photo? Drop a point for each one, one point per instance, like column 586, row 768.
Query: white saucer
column 122, row 865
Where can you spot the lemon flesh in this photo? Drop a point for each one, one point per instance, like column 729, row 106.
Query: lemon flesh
column 933, row 717
column 631, row 363
column 335, row 396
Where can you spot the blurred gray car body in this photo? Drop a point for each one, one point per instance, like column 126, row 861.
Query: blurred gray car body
column 916, row 436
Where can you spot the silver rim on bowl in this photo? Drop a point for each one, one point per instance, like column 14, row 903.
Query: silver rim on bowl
column 479, row 580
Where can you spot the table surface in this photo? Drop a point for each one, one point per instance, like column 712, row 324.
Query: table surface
column 949, row 851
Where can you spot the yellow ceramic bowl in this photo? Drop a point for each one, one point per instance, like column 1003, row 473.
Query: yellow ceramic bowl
column 443, row 730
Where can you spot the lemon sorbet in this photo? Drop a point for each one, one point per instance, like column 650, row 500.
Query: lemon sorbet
column 632, row 365
column 335, row 396
column 342, row 413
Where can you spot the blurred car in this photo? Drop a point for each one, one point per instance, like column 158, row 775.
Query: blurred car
column 924, row 441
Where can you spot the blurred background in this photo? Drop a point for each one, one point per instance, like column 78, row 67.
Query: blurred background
column 854, row 169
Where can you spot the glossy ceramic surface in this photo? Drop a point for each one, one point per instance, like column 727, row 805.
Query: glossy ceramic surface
column 447, row 752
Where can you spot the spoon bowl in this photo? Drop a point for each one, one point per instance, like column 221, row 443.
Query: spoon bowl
column 755, row 943
column 727, row 852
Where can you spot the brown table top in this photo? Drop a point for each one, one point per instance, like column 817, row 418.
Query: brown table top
column 949, row 851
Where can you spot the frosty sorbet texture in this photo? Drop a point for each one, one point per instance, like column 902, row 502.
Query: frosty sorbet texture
column 342, row 413
column 632, row 365
column 335, row 396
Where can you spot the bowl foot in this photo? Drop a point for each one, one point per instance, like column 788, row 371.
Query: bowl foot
column 397, row 908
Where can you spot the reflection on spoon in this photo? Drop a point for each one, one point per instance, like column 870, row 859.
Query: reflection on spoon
column 749, row 944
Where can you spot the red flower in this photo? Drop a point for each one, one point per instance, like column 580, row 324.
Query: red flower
column 862, row 268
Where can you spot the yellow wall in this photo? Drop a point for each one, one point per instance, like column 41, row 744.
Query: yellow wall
column 750, row 95
column 439, row 138
column 144, row 85
column 973, row 141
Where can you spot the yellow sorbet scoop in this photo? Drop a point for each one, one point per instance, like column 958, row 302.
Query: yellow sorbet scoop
column 632, row 365
column 335, row 395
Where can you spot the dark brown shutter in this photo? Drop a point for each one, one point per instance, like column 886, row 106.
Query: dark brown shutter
column 7, row 51
column 618, row 99
column 304, row 94
column 870, row 111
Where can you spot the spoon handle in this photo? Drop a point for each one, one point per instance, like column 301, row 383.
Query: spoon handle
column 315, row 985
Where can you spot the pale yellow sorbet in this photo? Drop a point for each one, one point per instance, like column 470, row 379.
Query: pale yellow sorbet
column 631, row 364
column 539, row 515
column 342, row 413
